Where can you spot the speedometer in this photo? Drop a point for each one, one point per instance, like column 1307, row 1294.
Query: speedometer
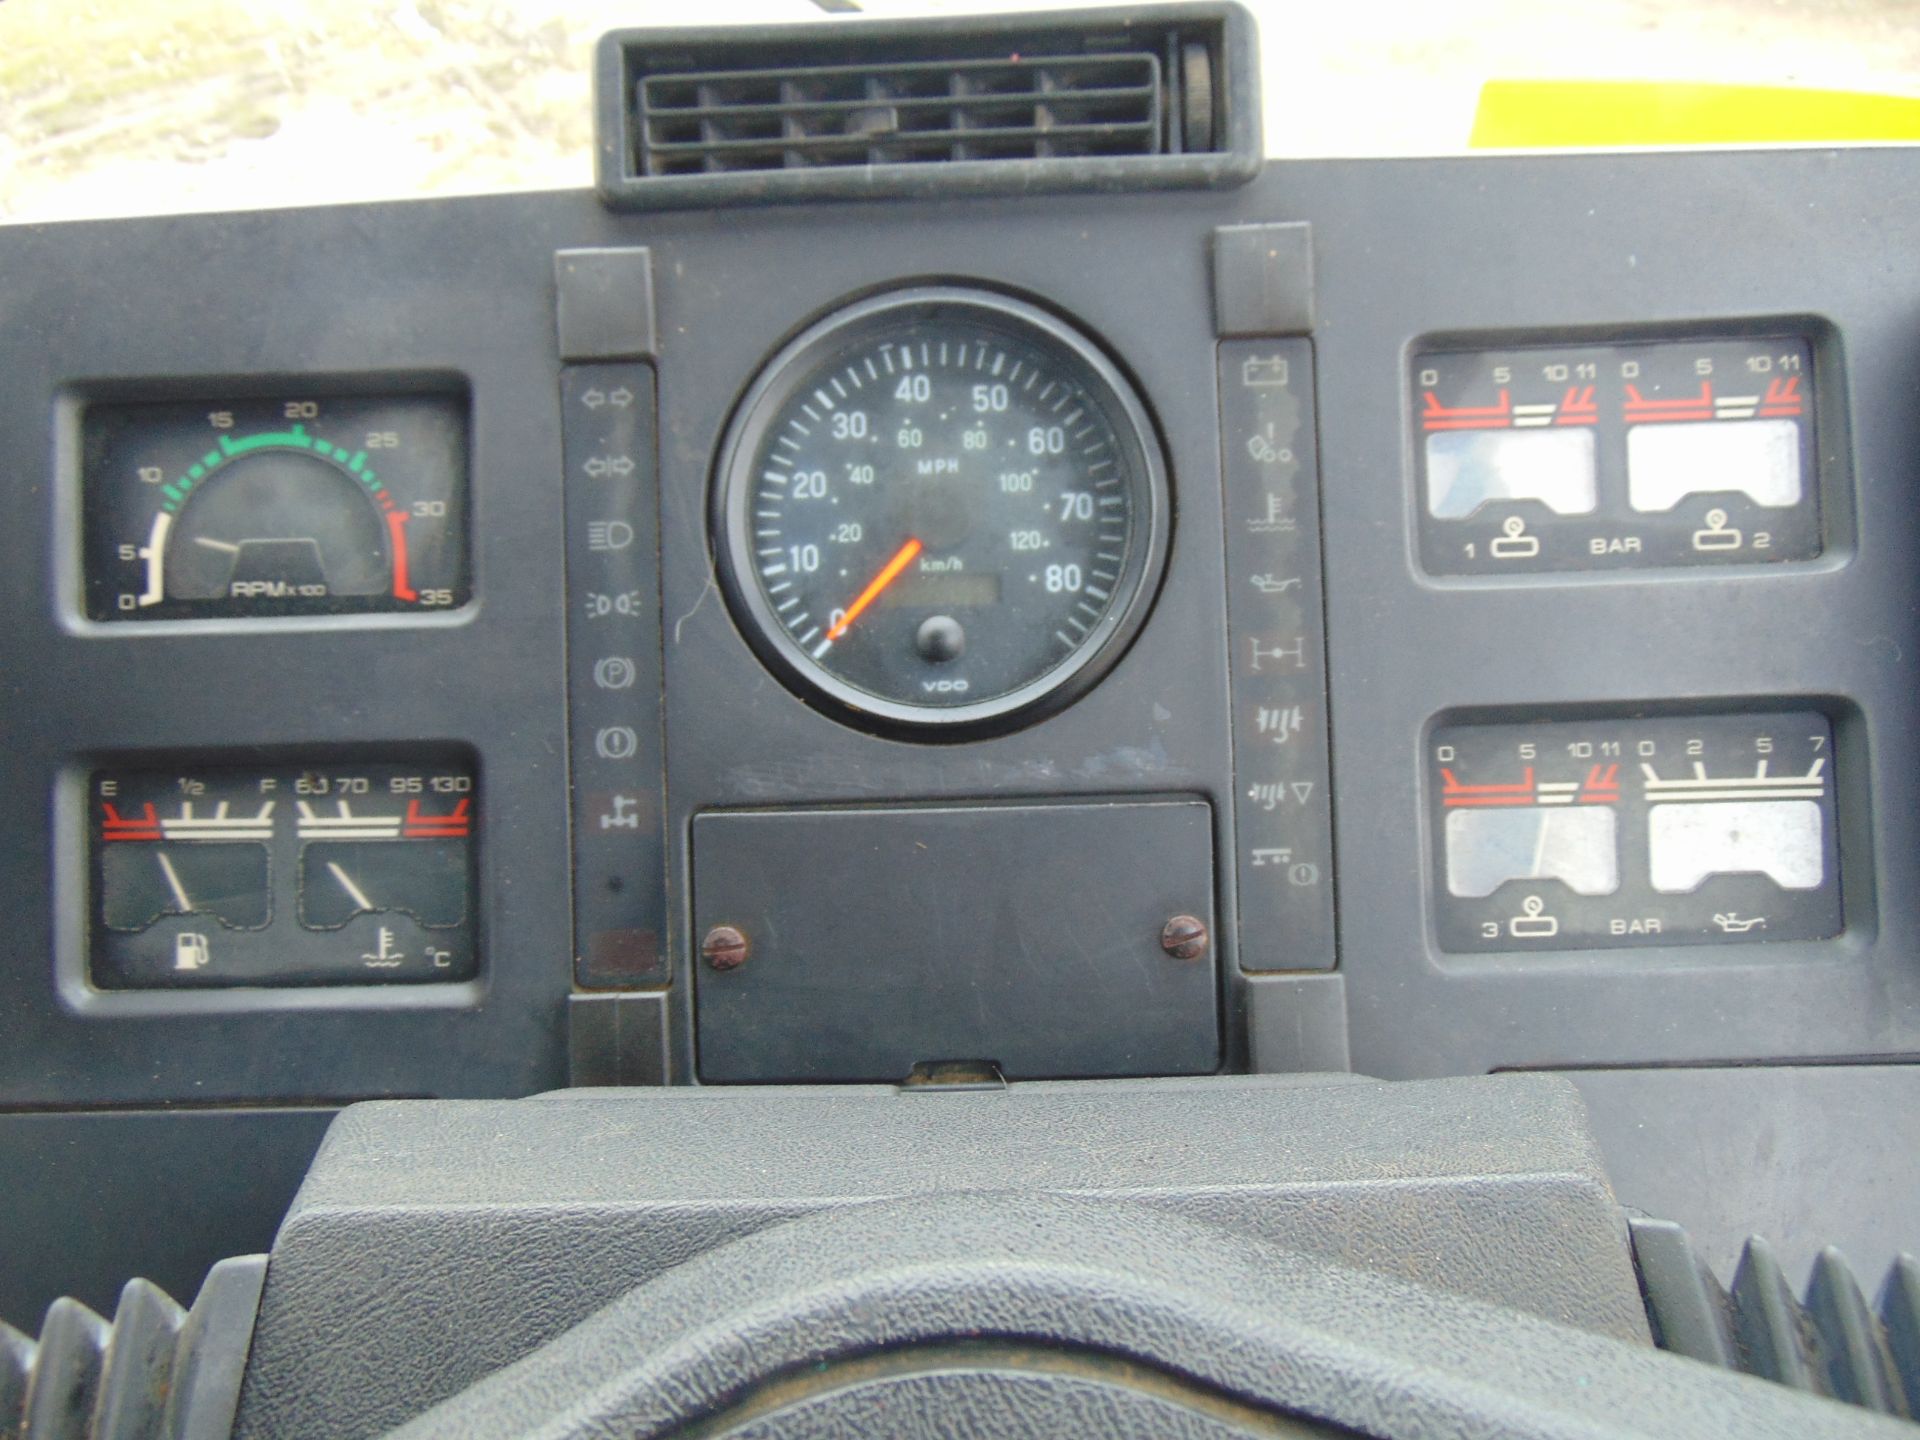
column 941, row 507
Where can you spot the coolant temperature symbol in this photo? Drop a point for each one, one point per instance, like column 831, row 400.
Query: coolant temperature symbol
column 386, row 957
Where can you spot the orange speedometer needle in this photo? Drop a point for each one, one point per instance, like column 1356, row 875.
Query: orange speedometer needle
column 880, row 582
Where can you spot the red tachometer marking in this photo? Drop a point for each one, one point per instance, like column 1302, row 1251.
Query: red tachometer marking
column 402, row 586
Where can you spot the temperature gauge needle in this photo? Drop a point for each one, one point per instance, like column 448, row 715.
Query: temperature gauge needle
column 354, row 892
column 867, row 596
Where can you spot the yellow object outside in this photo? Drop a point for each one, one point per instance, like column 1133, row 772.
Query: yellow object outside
column 1535, row 114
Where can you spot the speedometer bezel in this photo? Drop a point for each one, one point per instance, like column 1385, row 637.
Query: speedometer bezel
column 784, row 373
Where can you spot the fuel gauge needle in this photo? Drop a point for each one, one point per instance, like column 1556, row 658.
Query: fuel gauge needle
column 173, row 883
column 867, row 596
column 354, row 892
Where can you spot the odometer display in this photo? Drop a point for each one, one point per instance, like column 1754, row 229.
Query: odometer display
column 941, row 507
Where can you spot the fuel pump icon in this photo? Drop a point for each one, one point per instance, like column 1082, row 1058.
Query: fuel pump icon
column 190, row 951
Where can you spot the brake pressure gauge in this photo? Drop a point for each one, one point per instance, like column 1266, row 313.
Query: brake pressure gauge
column 248, row 508
column 941, row 508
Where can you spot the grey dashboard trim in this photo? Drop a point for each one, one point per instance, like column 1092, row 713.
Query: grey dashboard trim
column 1496, row 244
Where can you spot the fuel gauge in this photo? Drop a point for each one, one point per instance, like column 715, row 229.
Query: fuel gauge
column 354, row 873
column 253, row 508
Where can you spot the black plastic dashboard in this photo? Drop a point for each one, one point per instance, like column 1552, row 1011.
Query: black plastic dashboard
column 1275, row 762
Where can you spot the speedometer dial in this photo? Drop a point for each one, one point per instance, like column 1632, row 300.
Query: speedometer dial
column 941, row 507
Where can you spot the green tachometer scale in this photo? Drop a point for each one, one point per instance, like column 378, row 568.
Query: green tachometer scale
column 274, row 508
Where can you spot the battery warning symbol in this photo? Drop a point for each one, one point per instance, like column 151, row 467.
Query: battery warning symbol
column 1264, row 372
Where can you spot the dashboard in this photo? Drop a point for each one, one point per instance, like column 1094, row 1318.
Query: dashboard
column 1421, row 618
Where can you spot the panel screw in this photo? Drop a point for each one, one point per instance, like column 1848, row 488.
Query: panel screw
column 1184, row 938
column 725, row 948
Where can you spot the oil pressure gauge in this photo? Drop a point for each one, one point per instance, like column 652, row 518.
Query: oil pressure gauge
column 941, row 508
column 256, row 507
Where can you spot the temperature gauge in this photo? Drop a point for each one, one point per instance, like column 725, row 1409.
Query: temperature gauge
column 253, row 508
column 355, row 873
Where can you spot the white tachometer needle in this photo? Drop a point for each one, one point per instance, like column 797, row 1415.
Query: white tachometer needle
column 223, row 546
column 354, row 892
column 173, row 883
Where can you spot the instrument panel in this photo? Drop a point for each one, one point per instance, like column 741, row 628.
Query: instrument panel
column 1316, row 586
column 942, row 512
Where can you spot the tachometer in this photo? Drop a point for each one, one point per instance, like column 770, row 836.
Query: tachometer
column 941, row 507
column 264, row 507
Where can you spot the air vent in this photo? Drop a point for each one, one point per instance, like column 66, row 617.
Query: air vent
column 1019, row 108
column 1079, row 100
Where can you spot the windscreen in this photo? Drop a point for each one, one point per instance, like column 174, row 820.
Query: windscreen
column 142, row 107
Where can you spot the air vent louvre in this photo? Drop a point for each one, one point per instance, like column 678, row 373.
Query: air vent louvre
column 901, row 114
column 1080, row 100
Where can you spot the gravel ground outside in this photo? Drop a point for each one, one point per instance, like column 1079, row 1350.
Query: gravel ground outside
column 170, row 105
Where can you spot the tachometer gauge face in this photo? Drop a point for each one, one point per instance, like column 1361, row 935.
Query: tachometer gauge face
column 942, row 508
column 251, row 508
